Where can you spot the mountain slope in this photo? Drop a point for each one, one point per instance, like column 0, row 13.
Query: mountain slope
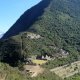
column 51, row 27
column 55, row 21
column 27, row 19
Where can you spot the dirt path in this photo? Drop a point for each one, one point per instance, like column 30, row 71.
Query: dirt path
column 34, row 70
column 2, row 77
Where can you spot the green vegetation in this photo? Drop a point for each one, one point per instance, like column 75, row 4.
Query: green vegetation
column 10, row 73
column 59, row 28
column 47, row 76
column 75, row 77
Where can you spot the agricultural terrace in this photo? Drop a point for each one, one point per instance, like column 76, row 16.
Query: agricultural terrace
column 67, row 70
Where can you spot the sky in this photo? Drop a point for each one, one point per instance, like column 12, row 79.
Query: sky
column 11, row 10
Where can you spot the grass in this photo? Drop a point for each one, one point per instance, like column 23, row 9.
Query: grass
column 9, row 73
column 39, row 62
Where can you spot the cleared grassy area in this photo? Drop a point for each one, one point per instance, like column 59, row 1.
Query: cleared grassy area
column 39, row 62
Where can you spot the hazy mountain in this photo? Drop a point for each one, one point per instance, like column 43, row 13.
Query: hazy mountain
column 1, row 35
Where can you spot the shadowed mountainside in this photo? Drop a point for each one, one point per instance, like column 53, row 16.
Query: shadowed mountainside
column 27, row 19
